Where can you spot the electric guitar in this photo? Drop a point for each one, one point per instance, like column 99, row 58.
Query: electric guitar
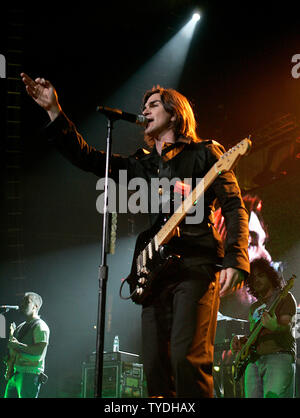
column 151, row 256
column 247, row 352
column 11, row 357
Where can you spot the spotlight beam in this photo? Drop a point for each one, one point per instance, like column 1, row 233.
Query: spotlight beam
column 164, row 68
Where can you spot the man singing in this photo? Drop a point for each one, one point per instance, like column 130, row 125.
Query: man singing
column 28, row 348
column 179, row 319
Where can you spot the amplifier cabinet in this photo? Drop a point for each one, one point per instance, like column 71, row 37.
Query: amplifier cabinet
column 226, row 329
column 120, row 379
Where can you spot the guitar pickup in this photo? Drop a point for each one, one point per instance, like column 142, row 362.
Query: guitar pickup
column 139, row 290
column 145, row 270
column 165, row 253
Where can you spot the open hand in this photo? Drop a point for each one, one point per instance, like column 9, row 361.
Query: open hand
column 231, row 279
column 43, row 93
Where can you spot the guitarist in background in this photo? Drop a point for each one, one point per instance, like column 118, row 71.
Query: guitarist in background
column 271, row 372
column 179, row 318
column 28, row 349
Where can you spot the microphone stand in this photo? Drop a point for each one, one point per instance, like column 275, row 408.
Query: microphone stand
column 103, row 269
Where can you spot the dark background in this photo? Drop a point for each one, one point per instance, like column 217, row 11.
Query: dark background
column 237, row 75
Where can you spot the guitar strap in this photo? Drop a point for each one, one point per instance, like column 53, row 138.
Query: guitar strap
column 25, row 328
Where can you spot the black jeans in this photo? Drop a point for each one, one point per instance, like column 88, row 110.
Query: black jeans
column 178, row 332
column 23, row 385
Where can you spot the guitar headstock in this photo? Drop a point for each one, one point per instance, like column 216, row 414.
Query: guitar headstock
column 289, row 284
column 227, row 160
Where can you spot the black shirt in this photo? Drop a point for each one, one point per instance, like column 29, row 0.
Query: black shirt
column 184, row 159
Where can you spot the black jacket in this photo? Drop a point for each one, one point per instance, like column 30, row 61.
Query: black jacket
column 193, row 160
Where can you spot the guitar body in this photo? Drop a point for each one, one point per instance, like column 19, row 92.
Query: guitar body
column 147, row 266
column 151, row 256
column 10, row 365
column 244, row 357
column 11, row 358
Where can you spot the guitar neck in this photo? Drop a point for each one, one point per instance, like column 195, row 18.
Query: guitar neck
column 254, row 334
column 225, row 163
column 166, row 232
column 275, row 303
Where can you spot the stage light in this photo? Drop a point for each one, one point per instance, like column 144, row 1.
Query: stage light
column 196, row 17
column 165, row 68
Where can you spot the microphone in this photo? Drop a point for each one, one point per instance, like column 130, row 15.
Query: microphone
column 16, row 308
column 117, row 114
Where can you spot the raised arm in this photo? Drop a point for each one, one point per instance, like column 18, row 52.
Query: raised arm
column 43, row 93
column 64, row 135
